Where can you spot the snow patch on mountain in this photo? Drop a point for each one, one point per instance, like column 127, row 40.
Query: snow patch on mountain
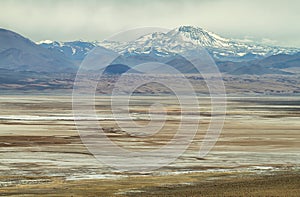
column 45, row 42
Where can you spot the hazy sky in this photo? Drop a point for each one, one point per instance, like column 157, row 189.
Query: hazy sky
column 270, row 21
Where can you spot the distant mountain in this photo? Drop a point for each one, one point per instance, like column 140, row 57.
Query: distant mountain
column 177, row 41
column 52, row 65
column 187, row 38
column 281, row 61
column 118, row 69
column 21, row 54
column 256, row 69
column 232, row 57
column 182, row 65
column 76, row 50
column 274, row 64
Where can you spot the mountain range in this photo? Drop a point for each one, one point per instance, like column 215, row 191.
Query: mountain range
column 18, row 53
column 21, row 54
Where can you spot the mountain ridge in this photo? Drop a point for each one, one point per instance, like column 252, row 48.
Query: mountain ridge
column 185, row 38
column 21, row 54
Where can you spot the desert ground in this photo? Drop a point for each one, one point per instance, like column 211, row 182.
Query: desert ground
column 257, row 153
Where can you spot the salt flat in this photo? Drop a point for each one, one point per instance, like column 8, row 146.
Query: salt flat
column 39, row 142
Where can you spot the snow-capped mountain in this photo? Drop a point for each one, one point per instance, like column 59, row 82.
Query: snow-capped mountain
column 186, row 38
column 176, row 41
column 75, row 50
column 19, row 54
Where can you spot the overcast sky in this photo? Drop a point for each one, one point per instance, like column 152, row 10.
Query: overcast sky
column 270, row 21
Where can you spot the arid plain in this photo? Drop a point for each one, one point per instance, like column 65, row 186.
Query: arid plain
column 42, row 153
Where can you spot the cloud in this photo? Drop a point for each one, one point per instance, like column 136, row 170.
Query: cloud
column 268, row 41
column 95, row 20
